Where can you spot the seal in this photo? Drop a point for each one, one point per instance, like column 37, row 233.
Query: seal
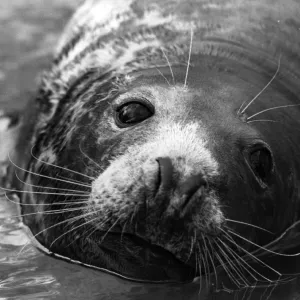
column 164, row 140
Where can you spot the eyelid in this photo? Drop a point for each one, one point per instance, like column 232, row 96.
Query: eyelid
column 136, row 98
column 144, row 96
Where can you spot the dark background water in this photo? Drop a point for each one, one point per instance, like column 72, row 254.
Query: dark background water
column 28, row 32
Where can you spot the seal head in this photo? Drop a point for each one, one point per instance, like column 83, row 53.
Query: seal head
column 148, row 159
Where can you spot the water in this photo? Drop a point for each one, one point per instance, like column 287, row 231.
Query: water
column 27, row 30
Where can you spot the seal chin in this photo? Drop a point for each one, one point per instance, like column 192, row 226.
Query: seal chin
column 140, row 260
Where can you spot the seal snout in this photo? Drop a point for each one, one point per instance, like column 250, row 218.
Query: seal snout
column 178, row 195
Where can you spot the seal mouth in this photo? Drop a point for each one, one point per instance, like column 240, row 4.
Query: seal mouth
column 139, row 260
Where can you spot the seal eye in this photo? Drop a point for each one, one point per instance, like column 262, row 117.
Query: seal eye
column 261, row 163
column 132, row 113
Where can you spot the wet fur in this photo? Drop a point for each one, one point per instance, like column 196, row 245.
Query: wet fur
column 85, row 184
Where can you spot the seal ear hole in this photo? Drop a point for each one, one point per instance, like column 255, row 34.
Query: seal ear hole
column 261, row 163
column 133, row 112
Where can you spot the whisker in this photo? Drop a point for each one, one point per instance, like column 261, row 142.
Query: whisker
column 159, row 71
column 189, row 59
column 206, row 253
column 237, row 258
column 59, row 167
column 133, row 214
column 248, row 224
column 97, row 227
column 52, row 226
column 251, row 291
column 48, row 212
column 89, row 158
column 48, row 177
column 201, row 258
column 267, row 279
column 206, row 261
column 110, row 229
column 170, row 67
column 45, row 204
column 280, row 237
column 266, row 86
column 76, row 227
column 250, row 254
column 212, row 261
column 236, row 269
column 198, row 265
column 39, row 193
column 123, row 231
column 262, row 296
column 272, row 108
column 50, row 188
column 72, row 181
column 193, row 241
column 228, row 272
column 263, row 248
column 263, row 121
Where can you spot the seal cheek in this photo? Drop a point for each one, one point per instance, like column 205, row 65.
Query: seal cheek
column 210, row 217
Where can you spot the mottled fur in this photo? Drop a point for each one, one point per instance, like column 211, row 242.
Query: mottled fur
column 104, row 177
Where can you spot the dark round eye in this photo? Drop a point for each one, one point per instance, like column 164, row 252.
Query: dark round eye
column 261, row 163
column 132, row 113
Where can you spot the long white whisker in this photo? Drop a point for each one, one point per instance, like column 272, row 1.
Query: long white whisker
column 170, row 67
column 266, row 86
column 250, row 254
column 110, row 229
column 263, row 248
column 89, row 158
column 72, row 181
column 158, row 70
column 72, row 229
column 33, row 173
column 50, row 188
column 248, row 224
column 206, row 259
column 272, row 108
column 212, row 261
column 272, row 121
column 39, row 193
column 189, row 59
column 123, row 231
column 193, row 241
column 237, row 257
column 59, row 167
column 96, row 227
column 198, row 265
column 228, row 272
column 48, row 212
column 280, row 237
column 201, row 258
column 45, row 204
column 52, row 226
column 236, row 269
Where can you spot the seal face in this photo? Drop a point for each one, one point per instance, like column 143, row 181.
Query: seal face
column 148, row 156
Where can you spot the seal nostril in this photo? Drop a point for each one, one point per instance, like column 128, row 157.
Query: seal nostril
column 190, row 187
column 165, row 173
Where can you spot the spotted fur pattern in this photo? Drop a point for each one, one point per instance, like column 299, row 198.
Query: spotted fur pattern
column 74, row 140
column 102, row 45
